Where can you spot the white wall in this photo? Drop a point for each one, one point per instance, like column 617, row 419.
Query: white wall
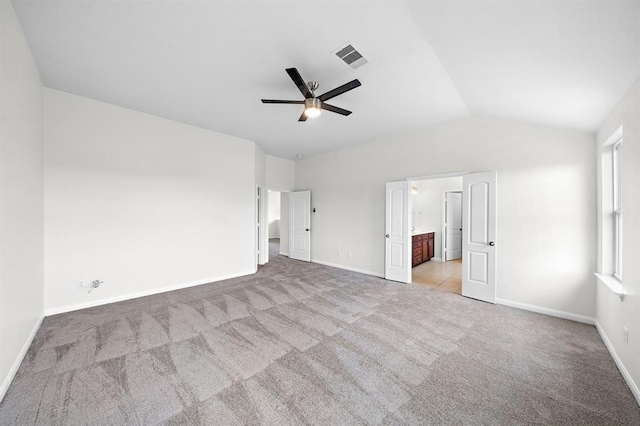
column 546, row 202
column 141, row 202
column 611, row 313
column 274, row 214
column 21, row 196
column 428, row 206
column 280, row 173
column 260, row 166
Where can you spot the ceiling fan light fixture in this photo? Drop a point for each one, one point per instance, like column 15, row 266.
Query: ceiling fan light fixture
column 312, row 107
column 312, row 112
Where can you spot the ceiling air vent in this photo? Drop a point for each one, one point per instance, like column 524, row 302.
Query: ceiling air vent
column 350, row 56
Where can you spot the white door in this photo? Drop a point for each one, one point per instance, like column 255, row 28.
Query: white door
column 478, row 245
column 398, row 234
column 262, row 250
column 300, row 225
column 453, row 226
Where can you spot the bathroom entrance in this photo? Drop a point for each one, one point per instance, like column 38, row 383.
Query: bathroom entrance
column 436, row 225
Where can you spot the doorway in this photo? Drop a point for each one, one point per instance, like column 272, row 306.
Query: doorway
column 274, row 203
column 277, row 223
column 406, row 242
column 436, row 213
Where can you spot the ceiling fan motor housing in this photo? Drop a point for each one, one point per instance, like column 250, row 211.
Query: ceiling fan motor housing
column 312, row 103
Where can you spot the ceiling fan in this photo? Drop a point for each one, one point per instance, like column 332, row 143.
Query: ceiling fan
column 314, row 104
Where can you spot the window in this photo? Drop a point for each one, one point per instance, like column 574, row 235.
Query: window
column 617, row 207
column 610, row 218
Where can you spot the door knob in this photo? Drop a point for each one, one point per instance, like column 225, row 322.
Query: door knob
column 387, row 235
column 307, row 229
column 491, row 243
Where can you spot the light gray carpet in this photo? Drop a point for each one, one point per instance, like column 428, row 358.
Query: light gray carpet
column 301, row 343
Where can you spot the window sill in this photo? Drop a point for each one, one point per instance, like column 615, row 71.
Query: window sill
column 612, row 284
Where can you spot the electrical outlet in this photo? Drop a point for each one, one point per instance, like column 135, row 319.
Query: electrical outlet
column 80, row 284
column 625, row 335
column 95, row 284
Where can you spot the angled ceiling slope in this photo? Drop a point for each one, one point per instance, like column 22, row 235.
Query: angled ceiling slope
column 558, row 62
column 208, row 63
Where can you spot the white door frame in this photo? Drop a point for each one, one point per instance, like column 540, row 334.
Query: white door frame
column 262, row 246
column 445, row 240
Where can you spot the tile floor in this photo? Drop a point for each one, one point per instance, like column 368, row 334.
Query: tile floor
column 445, row 276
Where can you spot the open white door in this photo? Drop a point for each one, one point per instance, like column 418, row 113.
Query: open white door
column 398, row 232
column 453, row 225
column 262, row 245
column 300, row 225
column 478, row 242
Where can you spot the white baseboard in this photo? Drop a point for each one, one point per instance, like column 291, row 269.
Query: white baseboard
column 547, row 311
column 284, row 254
column 587, row 320
column 77, row 306
column 16, row 364
column 335, row 265
column 627, row 377
column 437, row 259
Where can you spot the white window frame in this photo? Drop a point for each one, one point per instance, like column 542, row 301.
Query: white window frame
column 617, row 163
column 610, row 216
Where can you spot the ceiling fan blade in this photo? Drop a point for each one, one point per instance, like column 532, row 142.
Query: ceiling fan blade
column 340, row 90
column 335, row 109
column 299, row 82
column 280, row 101
column 303, row 117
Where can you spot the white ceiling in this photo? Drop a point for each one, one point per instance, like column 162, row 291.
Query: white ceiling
column 208, row 63
column 559, row 62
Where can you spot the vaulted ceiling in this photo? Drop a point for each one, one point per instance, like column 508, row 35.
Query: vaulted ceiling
column 208, row 63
